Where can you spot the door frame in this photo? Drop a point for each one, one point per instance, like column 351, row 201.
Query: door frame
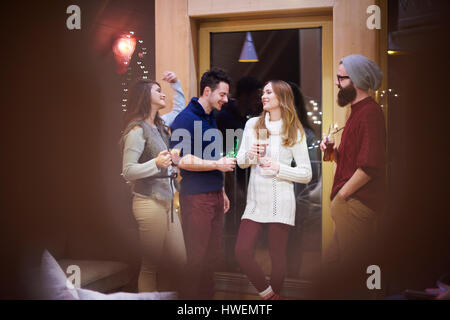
column 325, row 22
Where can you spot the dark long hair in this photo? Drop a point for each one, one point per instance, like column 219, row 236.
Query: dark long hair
column 140, row 106
column 300, row 106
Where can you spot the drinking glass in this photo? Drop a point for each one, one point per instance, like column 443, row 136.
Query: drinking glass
column 329, row 151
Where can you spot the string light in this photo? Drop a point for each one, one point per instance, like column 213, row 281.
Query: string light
column 141, row 52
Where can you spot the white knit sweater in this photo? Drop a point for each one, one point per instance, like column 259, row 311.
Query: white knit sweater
column 270, row 198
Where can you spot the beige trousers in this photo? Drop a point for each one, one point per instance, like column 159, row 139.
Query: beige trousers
column 162, row 244
column 354, row 238
column 351, row 251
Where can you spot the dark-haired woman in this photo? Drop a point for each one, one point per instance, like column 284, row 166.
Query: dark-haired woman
column 147, row 165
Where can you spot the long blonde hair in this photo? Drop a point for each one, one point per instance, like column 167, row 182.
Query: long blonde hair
column 291, row 123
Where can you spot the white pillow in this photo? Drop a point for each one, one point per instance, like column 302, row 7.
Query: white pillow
column 54, row 280
column 85, row 294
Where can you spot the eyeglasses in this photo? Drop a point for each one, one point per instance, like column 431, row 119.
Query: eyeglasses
column 339, row 77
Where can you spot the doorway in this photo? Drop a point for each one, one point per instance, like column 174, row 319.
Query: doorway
column 299, row 51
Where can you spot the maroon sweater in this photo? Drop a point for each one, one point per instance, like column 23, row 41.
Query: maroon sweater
column 363, row 145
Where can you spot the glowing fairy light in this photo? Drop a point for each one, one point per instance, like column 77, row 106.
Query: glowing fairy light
column 126, row 46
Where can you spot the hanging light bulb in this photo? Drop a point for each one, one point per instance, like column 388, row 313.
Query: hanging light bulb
column 248, row 52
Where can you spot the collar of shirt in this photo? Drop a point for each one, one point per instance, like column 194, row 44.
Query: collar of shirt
column 198, row 109
column 357, row 106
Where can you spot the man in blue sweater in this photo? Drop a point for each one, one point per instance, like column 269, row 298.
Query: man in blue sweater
column 203, row 200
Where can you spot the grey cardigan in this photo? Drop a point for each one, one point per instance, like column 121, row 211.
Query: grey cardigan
column 141, row 146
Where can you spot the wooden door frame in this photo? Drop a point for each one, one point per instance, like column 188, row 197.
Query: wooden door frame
column 325, row 22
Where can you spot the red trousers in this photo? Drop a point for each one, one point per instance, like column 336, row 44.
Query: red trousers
column 249, row 232
column 202, row 221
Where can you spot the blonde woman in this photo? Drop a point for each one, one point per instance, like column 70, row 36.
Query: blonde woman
column 270, row 143
column 147, row 165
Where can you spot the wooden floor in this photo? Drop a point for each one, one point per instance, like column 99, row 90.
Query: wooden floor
column 221, row 295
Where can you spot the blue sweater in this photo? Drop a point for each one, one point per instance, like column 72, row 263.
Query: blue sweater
column 196, row 182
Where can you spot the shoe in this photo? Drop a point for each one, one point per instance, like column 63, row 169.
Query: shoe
column 275, row 297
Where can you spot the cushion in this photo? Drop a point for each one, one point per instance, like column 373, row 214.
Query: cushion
column 54, row 281
column 93, row 295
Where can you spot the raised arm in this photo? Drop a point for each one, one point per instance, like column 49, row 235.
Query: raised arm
column 179, row 102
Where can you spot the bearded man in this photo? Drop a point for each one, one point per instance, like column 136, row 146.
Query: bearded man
column 357, row 193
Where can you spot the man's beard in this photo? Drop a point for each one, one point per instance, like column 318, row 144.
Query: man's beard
column 346, row 95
